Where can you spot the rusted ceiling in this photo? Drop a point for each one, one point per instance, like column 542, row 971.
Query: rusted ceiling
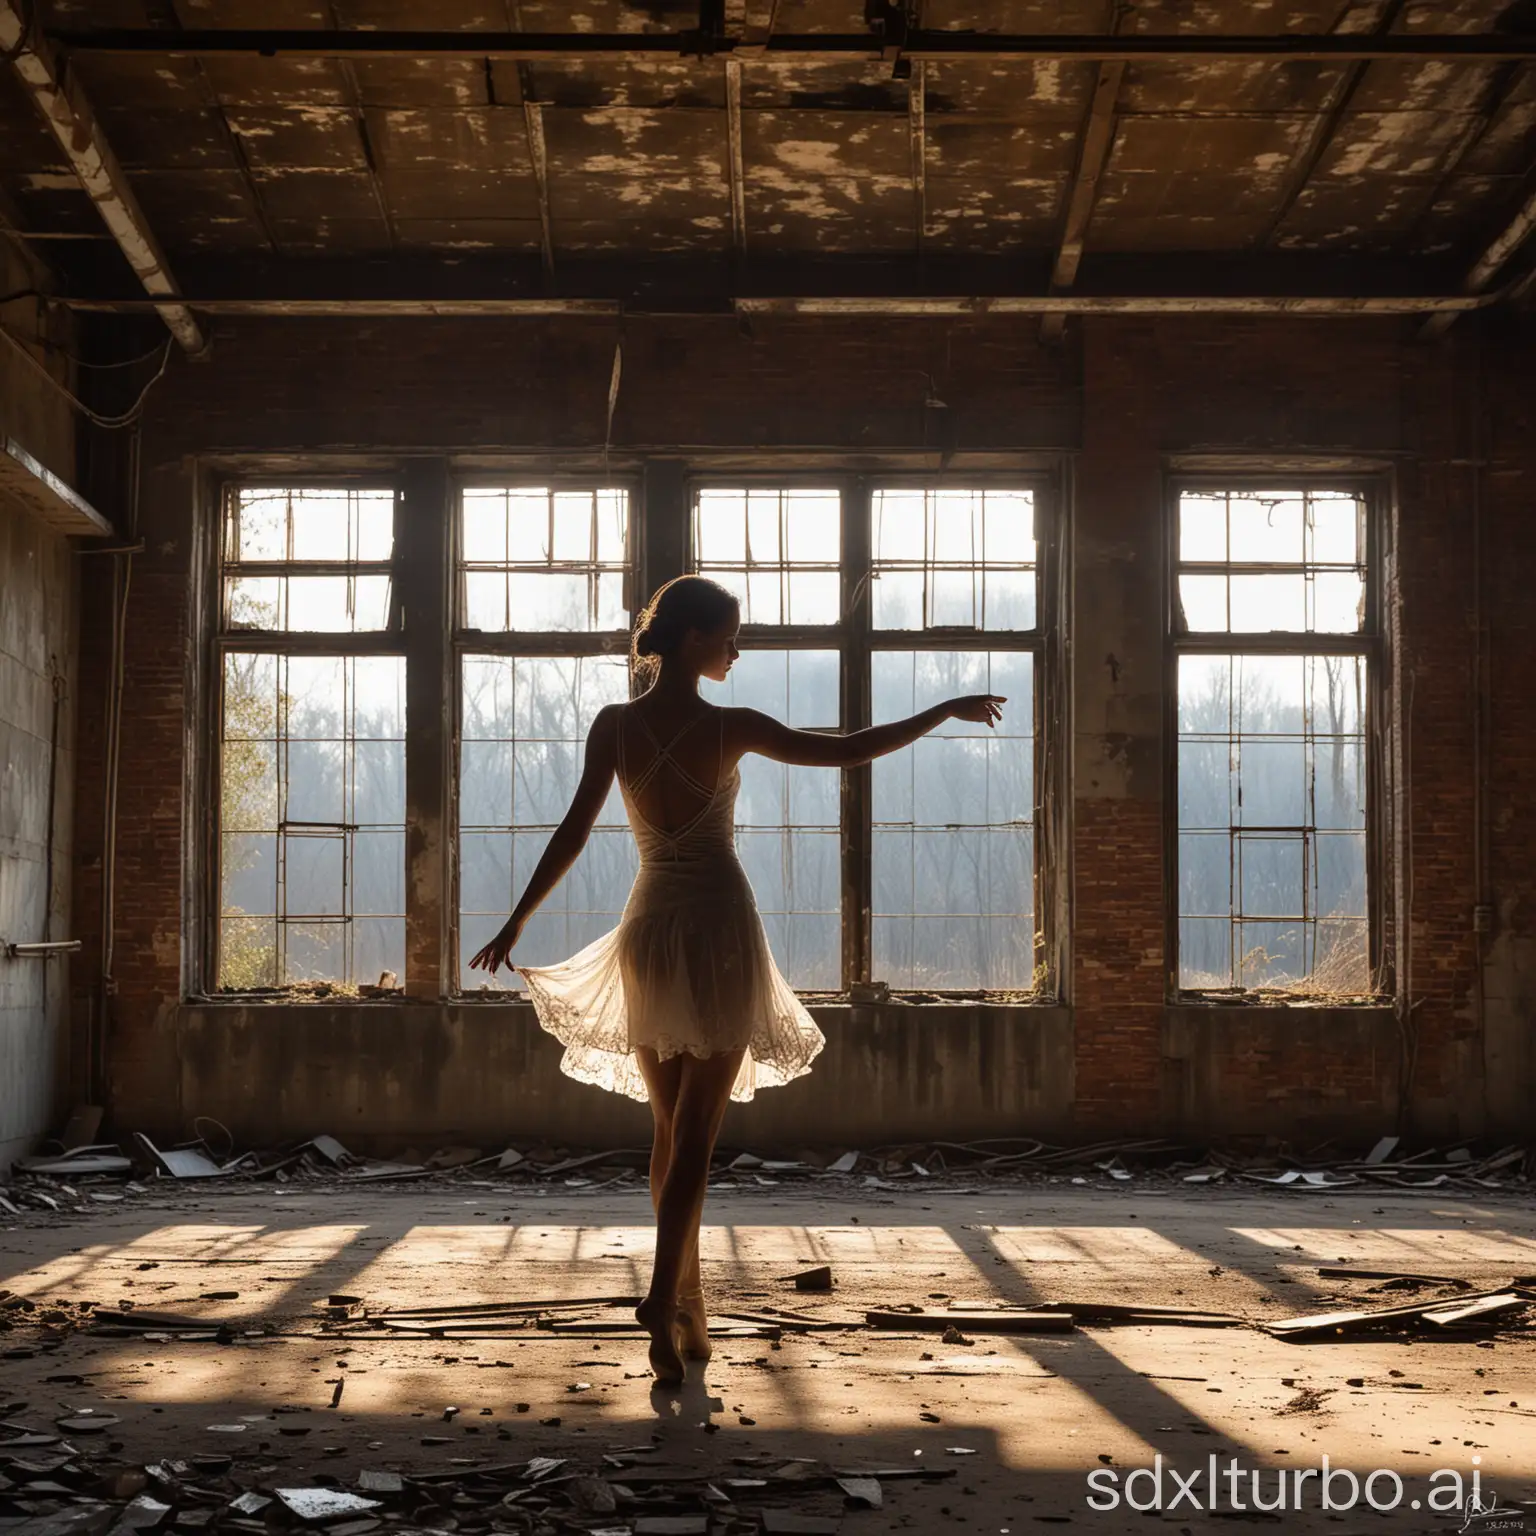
column 331, row 158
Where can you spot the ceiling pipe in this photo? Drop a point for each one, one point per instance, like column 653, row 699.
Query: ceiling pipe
column 74, row 126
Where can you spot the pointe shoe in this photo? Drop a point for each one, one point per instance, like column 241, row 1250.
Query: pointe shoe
column 693, row 1325
column 665, row 1356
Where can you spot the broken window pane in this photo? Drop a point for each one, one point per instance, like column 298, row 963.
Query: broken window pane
column 788, row 819
column 541, row 560
column 312, row 816
column 777, row 548
column 953, row 558
column 953, row 836
column 523, row 727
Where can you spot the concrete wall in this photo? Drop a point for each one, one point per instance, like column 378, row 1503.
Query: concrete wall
column 382, row 1076
column 1126, row 398
column 37, row 650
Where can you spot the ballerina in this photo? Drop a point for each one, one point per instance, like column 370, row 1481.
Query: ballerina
column 681, row 1004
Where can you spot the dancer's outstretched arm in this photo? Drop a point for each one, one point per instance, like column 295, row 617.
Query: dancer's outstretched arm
column 753, row 731
column 567, row 840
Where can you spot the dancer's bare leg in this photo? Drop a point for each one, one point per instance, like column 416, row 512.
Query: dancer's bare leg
column 704, row 1090
column 662, row 1080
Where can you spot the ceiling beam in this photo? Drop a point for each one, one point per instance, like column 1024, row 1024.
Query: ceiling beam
column 73, row 125
column 1098, row 138
column 917, row 130
column 1514, row 235
column 736, row 162
column 538, row 157
column 923, row 306
column 934, row 46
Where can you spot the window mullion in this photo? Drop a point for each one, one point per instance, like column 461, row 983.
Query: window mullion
column 857, row 797
column 423, row 534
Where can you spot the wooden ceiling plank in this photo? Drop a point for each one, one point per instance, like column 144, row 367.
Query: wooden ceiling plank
column 736, row 157
column 1326, row 124
column 538, row 159
column 917, row 123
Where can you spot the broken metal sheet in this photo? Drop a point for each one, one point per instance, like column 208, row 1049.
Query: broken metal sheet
column 379, row 1482
column 325, row 1503
column 862, row 1490
column 331, row 1150
column 142, row 1514
column 1383, row 1149
column 184, row 1163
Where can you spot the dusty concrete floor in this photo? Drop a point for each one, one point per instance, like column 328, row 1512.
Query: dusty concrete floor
column 1038, row 1413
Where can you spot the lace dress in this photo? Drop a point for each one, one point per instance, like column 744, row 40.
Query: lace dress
column 688, row 967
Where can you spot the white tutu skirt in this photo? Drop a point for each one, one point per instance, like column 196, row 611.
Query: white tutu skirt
column 688, row 969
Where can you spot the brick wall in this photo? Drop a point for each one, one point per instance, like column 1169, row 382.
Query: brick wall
column 1125, row 395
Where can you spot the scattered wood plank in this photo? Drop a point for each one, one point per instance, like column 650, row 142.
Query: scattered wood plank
column 1328, row 1324
column 1349, row 1272
column 1485, row 1310
column 974, row 1322
column 817, row 1279
column 793, row 1324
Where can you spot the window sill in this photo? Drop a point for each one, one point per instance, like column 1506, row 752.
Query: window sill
column 1280, row 1000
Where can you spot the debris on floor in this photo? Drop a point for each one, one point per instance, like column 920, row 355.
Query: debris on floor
column 72, row 1178
column 105, row 1493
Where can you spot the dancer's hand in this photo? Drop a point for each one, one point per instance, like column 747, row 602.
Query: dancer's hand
column 495, row 953
column 978, row 708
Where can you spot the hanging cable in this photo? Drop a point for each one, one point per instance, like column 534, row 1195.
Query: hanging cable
column 110, row 423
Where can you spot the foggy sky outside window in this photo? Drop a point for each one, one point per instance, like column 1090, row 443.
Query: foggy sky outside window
column 1272, row 747
column 524, row 724
column 778, row 549
column 788, row 818
column 954, row 821
column 312, row 748
column 536, row 560
column 945, row 558
column 543, row 561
